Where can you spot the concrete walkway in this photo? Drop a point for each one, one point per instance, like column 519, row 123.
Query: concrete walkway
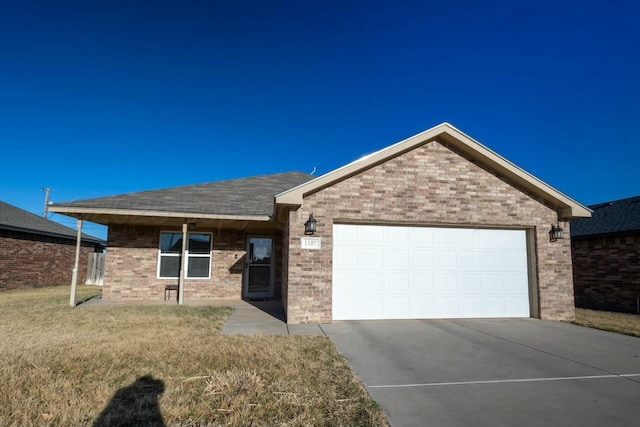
column 249, row 317
column 263, row 318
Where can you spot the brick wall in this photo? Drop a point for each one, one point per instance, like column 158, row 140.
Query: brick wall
column 432, row 184
column 606, row 273
column 34, row 261
column 285, row 265
column 132, row 261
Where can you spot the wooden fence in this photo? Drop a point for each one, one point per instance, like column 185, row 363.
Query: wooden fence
column 95, row 269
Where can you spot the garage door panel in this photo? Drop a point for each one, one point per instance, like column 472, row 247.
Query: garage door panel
column 370, row 308
column 345, row 235
column 420, row 259
column 345, row 258
column 446, row 283
column 445, row 307
column 513, row 283
column 420, row 284
column 346, row 282
column 516, row 305
column 370, row 235
column 492, row 283
column 444, row 237
column 396, row 307
column 466, row 238
column 468, row 260
column 396, row 236
column 444, row 259
column 388, row 272
column 493, row 306
column 490, row 239
column 396, row 283
column 421, row 237
column 469, row 284
column 343, row 306
column 515, row 240
column 371, row 283
column 421, row 308
column 396, row 258
column 490, row 259
column 514, row 261
column 470, row 306
column 370, row 258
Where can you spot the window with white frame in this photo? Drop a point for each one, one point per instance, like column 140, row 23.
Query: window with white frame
column 198, row 255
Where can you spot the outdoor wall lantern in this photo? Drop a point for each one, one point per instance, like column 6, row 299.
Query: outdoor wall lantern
column 556, row 232
column 310, row 225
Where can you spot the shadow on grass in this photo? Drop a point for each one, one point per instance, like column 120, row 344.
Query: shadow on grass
column 135, row 405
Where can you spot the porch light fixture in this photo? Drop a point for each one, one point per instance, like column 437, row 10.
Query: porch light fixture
column 192, row 225
column 556, row 232
column 310, row 225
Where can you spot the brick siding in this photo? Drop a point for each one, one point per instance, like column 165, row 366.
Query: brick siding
column 606, row 273
column 35, row 261
column 132, row 261
column 430, row 185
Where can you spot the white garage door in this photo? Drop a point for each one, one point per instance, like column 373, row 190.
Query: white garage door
column 389, row 272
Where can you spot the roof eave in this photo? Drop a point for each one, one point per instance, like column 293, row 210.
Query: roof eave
column 85, row 239
column 632, row 232
column 83, row 212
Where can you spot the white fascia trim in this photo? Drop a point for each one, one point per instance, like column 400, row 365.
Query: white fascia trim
column 150, row 213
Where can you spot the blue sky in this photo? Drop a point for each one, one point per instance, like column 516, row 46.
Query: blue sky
column 104, row 98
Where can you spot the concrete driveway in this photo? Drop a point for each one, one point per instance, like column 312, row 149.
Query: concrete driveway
column 511, row 372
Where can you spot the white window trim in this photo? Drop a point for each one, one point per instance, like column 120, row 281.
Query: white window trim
column 187, row 254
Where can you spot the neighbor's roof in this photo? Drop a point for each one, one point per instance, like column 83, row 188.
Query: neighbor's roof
column 618, row 216
column 566, row 207
column 245, row 198
column 16, row 219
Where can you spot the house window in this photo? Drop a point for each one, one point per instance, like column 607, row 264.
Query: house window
column 198, row 255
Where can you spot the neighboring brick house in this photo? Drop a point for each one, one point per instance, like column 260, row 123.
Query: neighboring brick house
column 606, row 257
column 36, row 252
column 435, row 226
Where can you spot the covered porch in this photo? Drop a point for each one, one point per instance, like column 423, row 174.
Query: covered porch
column 190, row 260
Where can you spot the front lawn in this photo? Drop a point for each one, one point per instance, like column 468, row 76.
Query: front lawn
column 628, row 324
column 164, row 365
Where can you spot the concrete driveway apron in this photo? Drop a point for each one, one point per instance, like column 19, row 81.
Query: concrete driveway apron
column 490, row 372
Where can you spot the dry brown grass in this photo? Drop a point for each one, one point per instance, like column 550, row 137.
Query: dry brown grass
column 164, row 364
column 628, row 324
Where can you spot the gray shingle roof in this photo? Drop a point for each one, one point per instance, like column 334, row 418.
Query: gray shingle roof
column 618, row 216
column 245, row 196
column 14, row 218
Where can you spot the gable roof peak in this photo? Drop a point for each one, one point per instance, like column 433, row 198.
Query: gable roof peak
column 565, row 206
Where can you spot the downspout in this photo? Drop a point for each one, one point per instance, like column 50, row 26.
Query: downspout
column 183, row 267
column 74, row 278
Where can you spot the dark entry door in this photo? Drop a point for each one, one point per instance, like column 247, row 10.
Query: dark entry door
column 259, row 268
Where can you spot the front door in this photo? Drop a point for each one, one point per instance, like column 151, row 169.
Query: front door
column 258, row 277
